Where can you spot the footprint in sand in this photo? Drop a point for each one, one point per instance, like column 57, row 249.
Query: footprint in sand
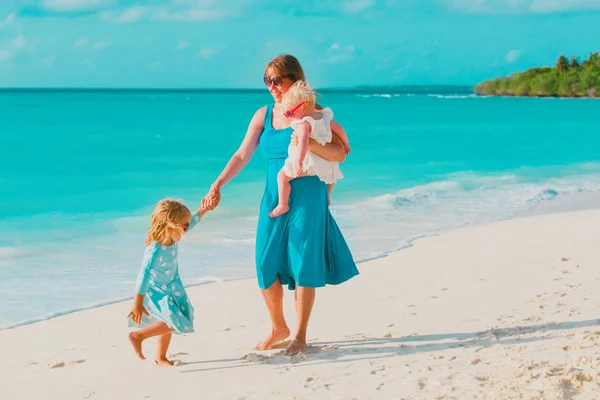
column 178, row 354
column 237, row 328
column 282, row 358
column 63, row 364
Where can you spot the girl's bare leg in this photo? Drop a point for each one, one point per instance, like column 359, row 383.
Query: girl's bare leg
column 162, row 346
column 155, row 329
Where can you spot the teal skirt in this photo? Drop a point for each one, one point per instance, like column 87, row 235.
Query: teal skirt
column 304, row 246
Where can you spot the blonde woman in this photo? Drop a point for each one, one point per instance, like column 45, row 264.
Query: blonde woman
column 303, row 248
column 161, row 306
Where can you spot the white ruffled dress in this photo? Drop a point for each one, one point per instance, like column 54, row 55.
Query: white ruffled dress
column 327, row 171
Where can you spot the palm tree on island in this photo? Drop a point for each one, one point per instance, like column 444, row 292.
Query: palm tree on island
column 567, row 79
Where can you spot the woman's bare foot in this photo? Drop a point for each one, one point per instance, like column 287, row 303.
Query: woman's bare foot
column 295, row 347
column 137, row 345
column 273, row 338
column 164, row 362
column 279, row 210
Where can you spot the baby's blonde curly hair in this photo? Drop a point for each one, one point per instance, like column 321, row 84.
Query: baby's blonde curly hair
column 167, row 217
column 300, row 92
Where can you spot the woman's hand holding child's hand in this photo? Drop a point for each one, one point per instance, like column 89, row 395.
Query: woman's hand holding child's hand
column 212, row 199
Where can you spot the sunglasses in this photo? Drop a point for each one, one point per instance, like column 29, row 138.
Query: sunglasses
column 290, row 113
column 276, row 80
column 185, row 227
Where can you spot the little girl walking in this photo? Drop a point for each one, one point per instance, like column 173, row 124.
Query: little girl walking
column 161, row 306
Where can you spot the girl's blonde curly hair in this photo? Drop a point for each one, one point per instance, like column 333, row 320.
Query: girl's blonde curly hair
column 299, row 92
column 167, row 217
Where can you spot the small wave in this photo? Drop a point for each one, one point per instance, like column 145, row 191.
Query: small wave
column 453, row 96
column 13, row 253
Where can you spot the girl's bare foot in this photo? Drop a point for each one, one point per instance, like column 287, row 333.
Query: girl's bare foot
column 163, row 362
column 137, row 345
column 279, row 210
column 295, row 347
column 274, row 337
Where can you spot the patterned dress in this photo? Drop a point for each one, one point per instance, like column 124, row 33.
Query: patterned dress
column 165, row 298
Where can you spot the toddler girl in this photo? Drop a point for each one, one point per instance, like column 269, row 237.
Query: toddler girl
column 307, row 123
column 161, row 305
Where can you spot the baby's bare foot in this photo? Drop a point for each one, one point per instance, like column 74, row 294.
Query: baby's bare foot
column 279, row 210
column 295, row 347
column 137, row 345
column 273, row 338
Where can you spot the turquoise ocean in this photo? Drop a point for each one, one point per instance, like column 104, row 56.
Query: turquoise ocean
column 82, row 170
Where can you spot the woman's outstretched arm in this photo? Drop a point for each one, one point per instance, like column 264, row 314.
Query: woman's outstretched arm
column 238, row 161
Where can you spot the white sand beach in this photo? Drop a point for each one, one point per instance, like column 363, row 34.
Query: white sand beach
column 507, row 310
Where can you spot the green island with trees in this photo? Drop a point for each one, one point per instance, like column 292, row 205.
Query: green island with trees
column 572, row 78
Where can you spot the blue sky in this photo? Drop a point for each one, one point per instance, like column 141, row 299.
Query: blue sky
column 226, row 43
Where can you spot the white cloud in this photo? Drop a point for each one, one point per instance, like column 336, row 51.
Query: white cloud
column 182, row 45
column 5, row 55
column 193, row 14
column 10, row 18
column 101, row 44
column 49, row 61
column 512, row 56
column 19, row 42
column 522, row 6
column 337, row 53
column 66, row 6
column 129, row 15
column 356, row 6
column 81, row 42
column 209, row 52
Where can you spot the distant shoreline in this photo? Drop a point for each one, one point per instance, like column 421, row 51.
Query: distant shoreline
column 568, row 79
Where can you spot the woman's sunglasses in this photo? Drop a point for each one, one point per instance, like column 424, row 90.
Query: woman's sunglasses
column 185, row 227
column 276, row 80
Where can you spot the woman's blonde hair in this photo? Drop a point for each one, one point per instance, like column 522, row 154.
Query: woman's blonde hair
column 300, row 92
column 166, row 218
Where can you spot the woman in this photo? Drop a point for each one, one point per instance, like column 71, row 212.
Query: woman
column 303, row 248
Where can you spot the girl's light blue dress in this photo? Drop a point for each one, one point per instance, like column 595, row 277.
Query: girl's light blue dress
column 165, row 298
column 304, row 246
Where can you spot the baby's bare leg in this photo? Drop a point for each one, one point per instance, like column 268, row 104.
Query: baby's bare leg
column 329, row 190
column 283, row 191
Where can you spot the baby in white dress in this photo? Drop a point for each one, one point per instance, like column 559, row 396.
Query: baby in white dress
column 307, row 123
